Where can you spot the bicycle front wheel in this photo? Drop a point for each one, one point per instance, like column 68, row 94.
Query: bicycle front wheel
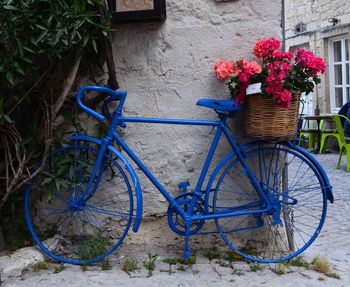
column 69, row 227
column 297, row 193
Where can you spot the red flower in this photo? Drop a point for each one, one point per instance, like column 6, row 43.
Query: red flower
column 244, row 77
column 317, row 66
column 253, row 67
column 224, row 69
column 307, row 60
column 279, row 73
column 264, row 48
column 304, row 57
column 278, row 70
column 283, row 98
column 282, row 56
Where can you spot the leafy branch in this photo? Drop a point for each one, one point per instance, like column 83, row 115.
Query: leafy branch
column 47, row 48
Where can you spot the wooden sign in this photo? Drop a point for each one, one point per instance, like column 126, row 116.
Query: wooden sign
column 134, row 5
column 137, row 10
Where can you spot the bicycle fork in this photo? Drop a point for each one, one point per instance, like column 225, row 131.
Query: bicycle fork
column 96, row 173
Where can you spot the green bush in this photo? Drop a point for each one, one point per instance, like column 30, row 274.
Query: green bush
column 37, row 34
column 46, row 48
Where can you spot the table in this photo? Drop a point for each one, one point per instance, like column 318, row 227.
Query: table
column 318, row 119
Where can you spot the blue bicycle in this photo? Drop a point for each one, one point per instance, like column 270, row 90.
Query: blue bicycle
column 268, row 200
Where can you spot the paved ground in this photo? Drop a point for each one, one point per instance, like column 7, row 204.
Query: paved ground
column 333, row 243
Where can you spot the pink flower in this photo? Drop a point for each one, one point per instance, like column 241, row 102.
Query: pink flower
column 224, row 69
column 245, row 71
column 282, row 56
column 244, row 77
column 317, row 66
column 312, row 65
column 248, row 69
column 283, row 98
column 264, row 48
column 278, row 72
column 252, row 67
column 304, row 57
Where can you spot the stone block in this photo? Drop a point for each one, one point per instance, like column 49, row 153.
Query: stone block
column 13, row 265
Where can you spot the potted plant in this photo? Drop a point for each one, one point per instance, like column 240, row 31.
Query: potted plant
column 271, row 87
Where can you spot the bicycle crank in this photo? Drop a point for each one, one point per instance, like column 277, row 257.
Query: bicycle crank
column 175, row 220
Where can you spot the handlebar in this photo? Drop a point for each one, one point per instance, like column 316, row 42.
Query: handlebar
column 114, row 95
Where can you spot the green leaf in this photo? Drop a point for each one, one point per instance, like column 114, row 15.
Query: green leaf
column 28, row 49
column 64, row 161
column 317, row 80
column 7, row 119
column 20, row 48
column 9, row 78
column 94, row 45
column 50, row 19
column 64, row 184
column 86, row 38
column 46, row 180
column 49, row 194
column 41, row 27
column 10, row 7
column 27, row 60
column 61, row 170
column 57, row 184
column 27, row 141
column 41, row 36
column 18, row 68
column 71, row 171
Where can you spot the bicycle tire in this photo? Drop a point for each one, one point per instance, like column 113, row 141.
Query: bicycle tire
column 301, row 197
column 64, row 226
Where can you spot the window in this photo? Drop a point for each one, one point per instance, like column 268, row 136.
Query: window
column 339, row 72
column 308, row 106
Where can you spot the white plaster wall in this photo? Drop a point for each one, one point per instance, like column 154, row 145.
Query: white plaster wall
column 166, row 67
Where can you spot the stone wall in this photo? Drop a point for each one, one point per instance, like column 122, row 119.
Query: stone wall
column 316, row 15
column 166, row 67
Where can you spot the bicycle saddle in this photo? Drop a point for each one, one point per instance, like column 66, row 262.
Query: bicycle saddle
column 219, row 105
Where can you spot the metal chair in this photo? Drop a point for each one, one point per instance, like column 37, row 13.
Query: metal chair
column 344, row 141
column 329, row 132
column 306, row 132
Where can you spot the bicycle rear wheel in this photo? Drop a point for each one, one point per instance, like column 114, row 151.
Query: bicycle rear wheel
column 297, row 192
column 68, row 227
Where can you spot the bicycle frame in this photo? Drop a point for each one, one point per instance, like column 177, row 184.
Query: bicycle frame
column 221, row 128
column 119, row 120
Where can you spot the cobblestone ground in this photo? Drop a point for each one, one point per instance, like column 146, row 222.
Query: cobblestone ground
column 333, row 243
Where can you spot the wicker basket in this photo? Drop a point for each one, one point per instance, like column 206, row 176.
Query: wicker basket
column 266, row 121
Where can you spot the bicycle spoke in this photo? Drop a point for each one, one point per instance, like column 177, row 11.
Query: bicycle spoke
column 295, row 186
column 89, row 226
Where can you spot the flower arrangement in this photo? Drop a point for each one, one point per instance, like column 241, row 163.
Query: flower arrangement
column 281, row 74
